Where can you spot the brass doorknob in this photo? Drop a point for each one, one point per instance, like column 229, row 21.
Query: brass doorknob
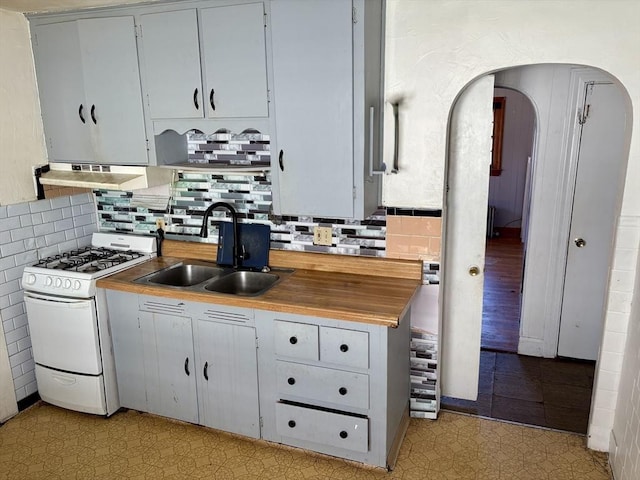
column 580, row 242
column 473, row 271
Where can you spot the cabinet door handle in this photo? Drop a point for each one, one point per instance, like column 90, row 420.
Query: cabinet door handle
column 291, row 424
column 195, row 99
column 344, row 434
column 293, row 340
column 281, row 160
column 186, row 366
column 93, row 114
column 291, row 381
column 80, row 114
column 342, row 391
column 211, row 94
column 205, row 372
column 344, row 348
column 372, row 172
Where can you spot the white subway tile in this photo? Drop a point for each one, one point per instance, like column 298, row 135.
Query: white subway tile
column 628, row 237
column 12, row 348
column 602, row 417
column 20, row 357
column 36, row 218
column 28, row 366
column 9, row 287
column 12, row 248
column 17, row 209
column 4, row 299
column 82, row 220
column 59, row 202
column 24, row 379
column 45, row 251
column 16, row 297
column 26, row 258
column 5, row 237
column 8, row 262
column 611, row 362
column 624, row 259
column 619, row 302
column 606, row 399
column 81, row 198
column 30, row 389
column 616, row 322
column 14, row 273
column 614, row 342
column 21, row 321
column 54, row 238
column 622, row 280
column 16, row 371
column 21, row 393
column 65, row 224
column 30, row 244
column 25, row 220
column 9, row 223
column 3, row 211
column 40, row 206
column 52, row 215
column 44, row 229
column 68, row 245
column 12, row 312
column 76, row 210
column 67, row 212
column 21, row 233
column 608, row 380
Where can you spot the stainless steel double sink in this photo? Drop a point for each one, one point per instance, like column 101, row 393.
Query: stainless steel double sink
column 194, row 275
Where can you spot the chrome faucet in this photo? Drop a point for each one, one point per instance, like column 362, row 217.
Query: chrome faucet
column 204, row 230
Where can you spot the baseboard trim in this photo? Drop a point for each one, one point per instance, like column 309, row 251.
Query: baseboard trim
column 26, row 402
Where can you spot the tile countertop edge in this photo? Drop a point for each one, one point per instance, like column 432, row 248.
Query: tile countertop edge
column 359, row 298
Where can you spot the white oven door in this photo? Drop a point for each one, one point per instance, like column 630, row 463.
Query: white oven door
column 64, row 333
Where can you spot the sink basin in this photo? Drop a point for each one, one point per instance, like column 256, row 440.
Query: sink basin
column 183, row 275
column 243, row 283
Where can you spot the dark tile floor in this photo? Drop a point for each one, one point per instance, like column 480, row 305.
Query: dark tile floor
column 554, row 393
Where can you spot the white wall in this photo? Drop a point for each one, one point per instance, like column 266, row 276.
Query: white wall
column 21, row 137
column 435, row 48
column 506, row 191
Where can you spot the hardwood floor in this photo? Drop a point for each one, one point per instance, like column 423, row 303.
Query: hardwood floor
column 501, row 300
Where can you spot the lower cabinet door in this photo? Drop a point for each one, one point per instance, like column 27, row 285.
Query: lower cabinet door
column 337, row 430
column 228, row 377
column 170, row 377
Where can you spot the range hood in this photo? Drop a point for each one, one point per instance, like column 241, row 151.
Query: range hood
column 104, row 177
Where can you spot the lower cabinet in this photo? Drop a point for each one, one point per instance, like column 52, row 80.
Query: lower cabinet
column 185, row 360
column 335, row 387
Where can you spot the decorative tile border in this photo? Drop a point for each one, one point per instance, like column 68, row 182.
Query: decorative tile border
column 223, row 148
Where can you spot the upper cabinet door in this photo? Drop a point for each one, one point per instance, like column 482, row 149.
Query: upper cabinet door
column 234, row 61
column 56, row 49
column 171, row 62
column 312, row 47
column 112, row 86
column 90, row 95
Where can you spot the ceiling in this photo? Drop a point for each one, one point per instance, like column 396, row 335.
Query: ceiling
column 58, row 5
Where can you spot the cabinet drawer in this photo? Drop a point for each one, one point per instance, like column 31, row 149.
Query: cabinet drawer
column 318, row 426
column 323, row 384
column 344, row 347
column 297, row 340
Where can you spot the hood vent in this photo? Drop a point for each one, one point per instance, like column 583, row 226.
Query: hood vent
column 104, row 177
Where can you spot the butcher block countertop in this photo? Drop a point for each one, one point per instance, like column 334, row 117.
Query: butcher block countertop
column 360, row 289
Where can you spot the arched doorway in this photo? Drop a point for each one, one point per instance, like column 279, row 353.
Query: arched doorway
column 556, row 103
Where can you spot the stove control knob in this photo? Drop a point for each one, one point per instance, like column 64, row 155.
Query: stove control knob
column 67, row 284
column 31, row 279
column 58, row 282
column 48, row 281
column 76, row 285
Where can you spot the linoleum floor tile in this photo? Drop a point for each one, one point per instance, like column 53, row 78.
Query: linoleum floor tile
column 46, row 442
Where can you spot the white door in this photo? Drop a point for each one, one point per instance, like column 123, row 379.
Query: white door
column 233, row 64
column 593, row 221
column 171, row 63
column 228, row 378
column 465, row 226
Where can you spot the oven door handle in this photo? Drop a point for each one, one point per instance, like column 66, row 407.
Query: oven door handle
column 47, row 299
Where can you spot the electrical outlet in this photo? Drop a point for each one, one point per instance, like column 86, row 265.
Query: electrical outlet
column 322, row 236
column 160, row 223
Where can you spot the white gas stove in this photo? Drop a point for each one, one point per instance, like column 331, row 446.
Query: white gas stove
column 74, row 273
column 69, row 321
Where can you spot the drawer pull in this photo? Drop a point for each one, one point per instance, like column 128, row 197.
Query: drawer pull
column 291, row 423
column 293, row 340
column 342, row 391
column 344, row 347
column 206, row 371
column 291, row 381
column 343, row 434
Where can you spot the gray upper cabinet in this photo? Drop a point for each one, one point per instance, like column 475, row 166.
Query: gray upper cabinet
column 205, row 63
column 327, row 82
column 89, row 85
